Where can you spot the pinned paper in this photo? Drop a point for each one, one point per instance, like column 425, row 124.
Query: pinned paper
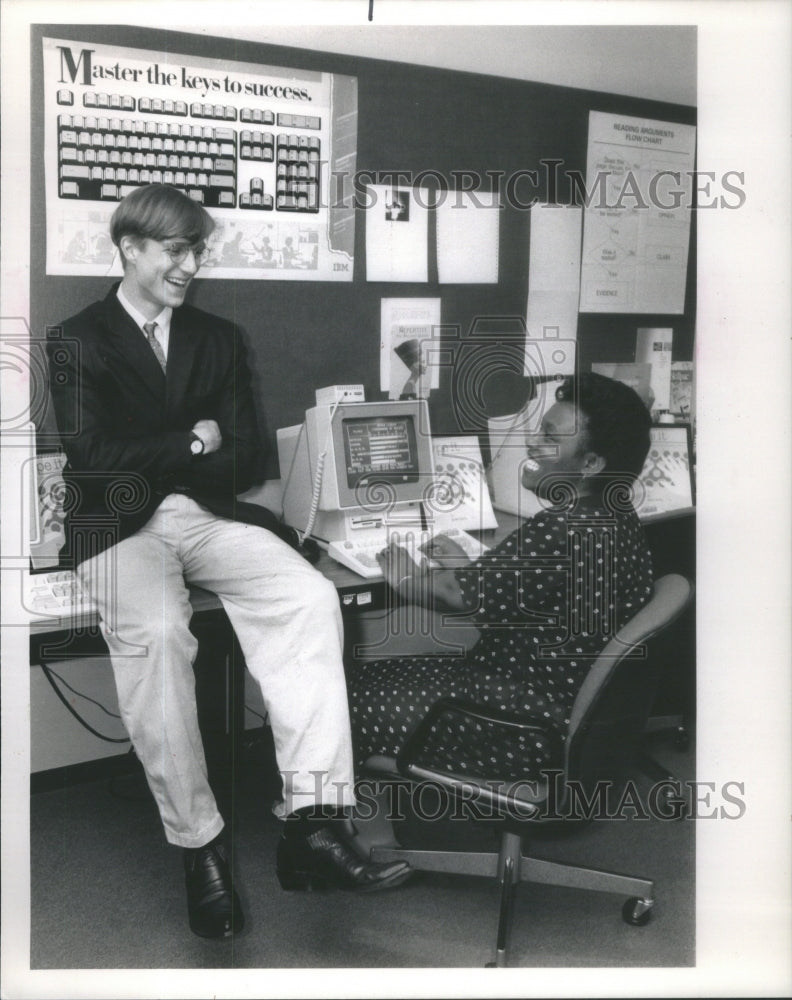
column 553, row 293
column 468, row 231
column 653, row 346
column 397, row 234
column 408, row 327
column 639, row 179
column 554, row 259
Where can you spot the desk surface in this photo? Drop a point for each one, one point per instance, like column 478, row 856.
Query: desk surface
column 355, row 592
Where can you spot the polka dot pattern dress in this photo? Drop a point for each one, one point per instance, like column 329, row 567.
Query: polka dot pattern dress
column 546, row 601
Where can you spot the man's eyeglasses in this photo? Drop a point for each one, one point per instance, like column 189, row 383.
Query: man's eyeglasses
column 178, row 252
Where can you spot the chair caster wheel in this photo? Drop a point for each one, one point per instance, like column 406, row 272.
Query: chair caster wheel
column 637, row 911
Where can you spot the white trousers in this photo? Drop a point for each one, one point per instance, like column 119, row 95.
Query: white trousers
column 287, row 618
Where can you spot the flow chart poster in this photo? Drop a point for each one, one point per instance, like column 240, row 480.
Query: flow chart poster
column 636, row 226
column 264, row 149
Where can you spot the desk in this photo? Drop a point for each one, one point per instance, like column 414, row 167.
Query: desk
column 219, row 667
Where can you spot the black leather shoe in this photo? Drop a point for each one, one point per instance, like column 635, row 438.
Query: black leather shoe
column 212, row 903
column 321, row 861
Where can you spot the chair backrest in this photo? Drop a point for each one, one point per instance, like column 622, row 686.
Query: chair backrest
column 625, row 658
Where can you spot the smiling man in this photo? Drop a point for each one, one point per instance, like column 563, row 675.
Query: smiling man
column 166, row 438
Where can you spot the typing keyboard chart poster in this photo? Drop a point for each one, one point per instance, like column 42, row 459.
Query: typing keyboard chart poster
column 260, row 147
column 636, row 226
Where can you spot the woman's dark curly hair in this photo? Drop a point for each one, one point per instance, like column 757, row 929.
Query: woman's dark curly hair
column 618, row 422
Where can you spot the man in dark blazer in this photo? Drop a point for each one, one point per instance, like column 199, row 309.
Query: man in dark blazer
column 165, row 437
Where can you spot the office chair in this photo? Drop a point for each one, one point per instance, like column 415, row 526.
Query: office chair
column 613, row 704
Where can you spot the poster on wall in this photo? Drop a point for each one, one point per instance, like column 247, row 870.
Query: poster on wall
column 265, row 149
column 408, row 328
column 636, row 226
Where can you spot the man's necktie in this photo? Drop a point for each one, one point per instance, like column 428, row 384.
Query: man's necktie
column 148, row 329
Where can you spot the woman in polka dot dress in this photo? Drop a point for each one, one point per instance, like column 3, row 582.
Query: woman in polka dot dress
column 546, row 600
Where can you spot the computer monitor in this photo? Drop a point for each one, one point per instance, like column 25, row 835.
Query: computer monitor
column 355, row 468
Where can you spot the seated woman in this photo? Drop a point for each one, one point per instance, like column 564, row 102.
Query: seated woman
column 546, row 600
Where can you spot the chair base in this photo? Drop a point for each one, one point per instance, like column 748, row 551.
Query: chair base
column 511, row 867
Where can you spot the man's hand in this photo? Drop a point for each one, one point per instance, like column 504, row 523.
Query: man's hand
column 209, row 433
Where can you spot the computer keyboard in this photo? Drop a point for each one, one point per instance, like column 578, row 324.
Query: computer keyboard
column 57, row 594
column 360, row 555
column 104, row 155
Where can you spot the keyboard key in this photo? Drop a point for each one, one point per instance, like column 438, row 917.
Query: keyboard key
column 76, row 172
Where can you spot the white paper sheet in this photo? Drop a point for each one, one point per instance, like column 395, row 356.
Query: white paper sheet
column 397, row 234
column 554, row 258
column 553, row 290
column 468, row 231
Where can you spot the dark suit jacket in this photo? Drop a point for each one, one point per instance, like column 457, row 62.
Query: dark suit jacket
column 125, row 426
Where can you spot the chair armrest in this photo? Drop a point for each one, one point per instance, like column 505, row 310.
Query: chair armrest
column 408, row 764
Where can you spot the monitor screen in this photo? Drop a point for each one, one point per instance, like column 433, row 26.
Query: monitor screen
column 370, row 454
column 380, row 448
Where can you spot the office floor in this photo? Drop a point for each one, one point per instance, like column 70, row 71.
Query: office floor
column 107, row 893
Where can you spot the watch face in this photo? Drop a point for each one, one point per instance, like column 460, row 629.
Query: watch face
column 196, row 447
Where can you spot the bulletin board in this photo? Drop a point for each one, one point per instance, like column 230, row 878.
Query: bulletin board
column 415, row 126
column 257, row 145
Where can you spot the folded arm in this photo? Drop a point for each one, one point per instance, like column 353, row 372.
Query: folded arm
column 114, row 432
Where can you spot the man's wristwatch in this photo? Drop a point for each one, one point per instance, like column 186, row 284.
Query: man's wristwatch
column 196, row 445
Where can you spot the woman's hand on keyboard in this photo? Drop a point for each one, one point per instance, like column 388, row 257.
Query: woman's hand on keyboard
column 400, row 570
column 445, row 552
